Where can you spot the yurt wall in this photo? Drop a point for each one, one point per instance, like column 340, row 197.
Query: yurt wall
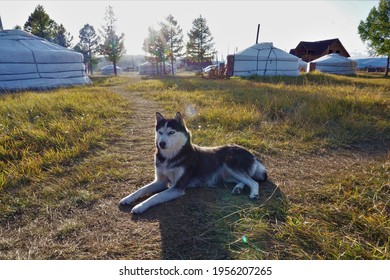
column 30, row 62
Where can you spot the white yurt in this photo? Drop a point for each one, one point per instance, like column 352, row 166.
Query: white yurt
column 265, row 60
column 30, row 62
column 109, row 70
column 149, row 68
column 334, row 64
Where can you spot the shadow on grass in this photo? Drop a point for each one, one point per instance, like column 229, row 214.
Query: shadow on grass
column 198, row 224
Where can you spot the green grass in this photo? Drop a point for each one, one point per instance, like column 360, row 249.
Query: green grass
column 43, row 134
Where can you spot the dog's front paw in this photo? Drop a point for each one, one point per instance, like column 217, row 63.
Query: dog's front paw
column 126, row 200
column 254, row 196
column 238, row 188
column 138, row 209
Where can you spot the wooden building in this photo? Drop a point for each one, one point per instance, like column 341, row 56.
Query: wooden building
column 309, row 51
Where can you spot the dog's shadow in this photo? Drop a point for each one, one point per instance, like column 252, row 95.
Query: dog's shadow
column 196, row 225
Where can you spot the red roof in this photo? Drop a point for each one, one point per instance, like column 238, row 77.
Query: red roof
column 318, row 47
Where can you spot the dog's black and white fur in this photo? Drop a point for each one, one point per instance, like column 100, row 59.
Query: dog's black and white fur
column 181, row 164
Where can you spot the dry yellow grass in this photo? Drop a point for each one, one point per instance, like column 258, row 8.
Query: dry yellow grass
column 323, row 138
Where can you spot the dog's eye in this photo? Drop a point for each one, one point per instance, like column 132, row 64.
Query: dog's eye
column 160, row 133
column 171, row 132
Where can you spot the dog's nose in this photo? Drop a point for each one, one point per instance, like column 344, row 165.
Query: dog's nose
column 163, row 145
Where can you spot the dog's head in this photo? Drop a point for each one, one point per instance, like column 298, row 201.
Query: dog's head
column 171, row 135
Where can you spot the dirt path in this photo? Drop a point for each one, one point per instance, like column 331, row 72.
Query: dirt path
column 176, row 230
column 128, row 238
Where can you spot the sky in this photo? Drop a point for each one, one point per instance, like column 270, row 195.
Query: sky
column 232, row 23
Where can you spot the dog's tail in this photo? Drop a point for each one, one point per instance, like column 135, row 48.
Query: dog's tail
column 260, row 174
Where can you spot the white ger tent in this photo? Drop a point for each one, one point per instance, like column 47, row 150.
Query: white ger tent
column 149, row 68
column 265, row 60
column 109, row 70
column 30, row 62
column 334, row 64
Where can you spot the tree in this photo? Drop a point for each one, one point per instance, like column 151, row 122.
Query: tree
column 40, row 24
column 174, row 38
column 88, row 46
column 113, row 44
column 155, row 46
column 376, row 31
column 165, row 43
column 200, row 44
column 61, row 36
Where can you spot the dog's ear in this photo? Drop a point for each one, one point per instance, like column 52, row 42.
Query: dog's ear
column 179, row 118
column 159, row 117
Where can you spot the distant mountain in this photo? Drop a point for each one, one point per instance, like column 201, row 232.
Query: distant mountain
column 371, row 62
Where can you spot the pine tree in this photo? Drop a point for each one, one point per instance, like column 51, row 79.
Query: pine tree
column 174, row 39
column 61, row 36
column 376, row 31
column 155, row 46
column 88, row 46
column 113, row 45
column 40, row 24
column 200, row 46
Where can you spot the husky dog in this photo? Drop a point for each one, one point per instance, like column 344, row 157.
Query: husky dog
column 181, row 164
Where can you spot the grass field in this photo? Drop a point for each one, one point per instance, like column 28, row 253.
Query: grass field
column 313, row 111
column 67, row 156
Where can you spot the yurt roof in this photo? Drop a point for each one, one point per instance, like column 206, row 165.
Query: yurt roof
column 30, row 62
column 264, row 51
column 334, row 59
column 108, row 67
column 147, row 63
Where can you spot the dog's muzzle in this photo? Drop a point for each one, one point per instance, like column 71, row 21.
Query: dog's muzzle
column 162, row 145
